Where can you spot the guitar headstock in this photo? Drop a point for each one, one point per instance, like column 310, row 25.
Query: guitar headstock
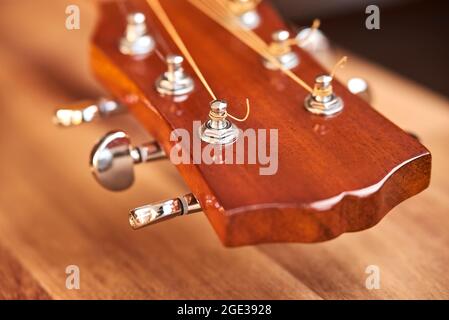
column 318, row 160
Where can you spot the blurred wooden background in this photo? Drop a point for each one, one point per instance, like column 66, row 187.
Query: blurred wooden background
column 53, row 214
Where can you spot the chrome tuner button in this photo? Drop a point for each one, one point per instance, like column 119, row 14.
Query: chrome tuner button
column 312, row 40
column 160, row 211
column 281, row 50
column 174, row 82
column 360, row 87
column 136, row 41
column 86, row 112
column 323, row 101
column 112, row 159
column 218, row 129
column 246, row 11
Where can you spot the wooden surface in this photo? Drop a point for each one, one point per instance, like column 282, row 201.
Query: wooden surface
column 53, row 214
column 344, row 176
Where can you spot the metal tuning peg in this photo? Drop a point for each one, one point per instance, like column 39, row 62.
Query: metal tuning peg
column 312, row 40
column 281, row 50
column 112, row 159
column 174, row 82
column 323, row 100
column 246, row 11
column 218, row 129
column 86, row 112
column 161, row 211
column 360, row 87
column 136, row 41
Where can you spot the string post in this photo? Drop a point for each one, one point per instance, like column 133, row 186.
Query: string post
column 136, row 41
column 322, row 100
column 175, row 81
column 218, row 129
column 246, row 11
column 280, row 49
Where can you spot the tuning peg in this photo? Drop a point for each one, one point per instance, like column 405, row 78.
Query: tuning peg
column 323, row 100
column 359, row 86
column 174, row 81
column 160, row 211
column 136, row 41
column 86, row 112
column 246, row 11
column 312, row 40
column 280, row 49
column 112, row 159
column 218, row 129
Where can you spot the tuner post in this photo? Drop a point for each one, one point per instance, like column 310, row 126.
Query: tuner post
column 136, row 40
column 164, row 210
column 280, row 49
column 218, row 129
column 246, row 11
column 87, row 111
column 175, row 81
column 323, row 101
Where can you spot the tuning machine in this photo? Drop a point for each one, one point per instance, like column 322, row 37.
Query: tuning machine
column 280, row 49
column 161, row 211
column 218, row 129
column 113, row 158
column 136, row 41
column 360, row 87
column 323, row 101
column 175, row 81
column 86, row 112
column 312, row 40
column 246, row 11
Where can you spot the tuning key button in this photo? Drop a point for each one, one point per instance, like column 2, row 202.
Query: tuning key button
column 160, row 211
column 175, row 81
column 312, row 40
column 280, row 50
column 136, row 41
column 323, row 100
column 112, row 159
column 359, row 87
column 86, row 112
column 246, row 11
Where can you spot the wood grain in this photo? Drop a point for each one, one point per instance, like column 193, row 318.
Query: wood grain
column 53, row 214
column 335, row 175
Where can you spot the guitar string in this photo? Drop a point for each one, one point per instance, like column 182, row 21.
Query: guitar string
column 226, row 21
column 220, row 13
column 165, row 20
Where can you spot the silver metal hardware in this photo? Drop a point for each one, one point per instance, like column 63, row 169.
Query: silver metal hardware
column 218, row 129
column 174, row 82
column 313, row 41
column 112, row 159
column 359, row 87
column 247, row 13
column 136, row 40
column 86, row 112
column 282, row 51
column 323, row 101
column 160, row 211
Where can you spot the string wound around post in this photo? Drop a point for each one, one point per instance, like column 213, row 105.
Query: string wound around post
column 323, row 100
column 218, row 129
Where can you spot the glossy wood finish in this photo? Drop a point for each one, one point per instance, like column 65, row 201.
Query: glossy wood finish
column 335, row 174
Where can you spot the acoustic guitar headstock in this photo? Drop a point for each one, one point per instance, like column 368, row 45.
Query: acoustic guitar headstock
column 272, row 146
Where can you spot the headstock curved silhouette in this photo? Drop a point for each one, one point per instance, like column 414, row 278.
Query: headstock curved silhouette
column 335, row 174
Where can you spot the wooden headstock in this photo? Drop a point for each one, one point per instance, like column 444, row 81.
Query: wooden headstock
column 335, row 174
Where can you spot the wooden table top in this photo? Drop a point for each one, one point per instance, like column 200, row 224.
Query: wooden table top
column 53, row 214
